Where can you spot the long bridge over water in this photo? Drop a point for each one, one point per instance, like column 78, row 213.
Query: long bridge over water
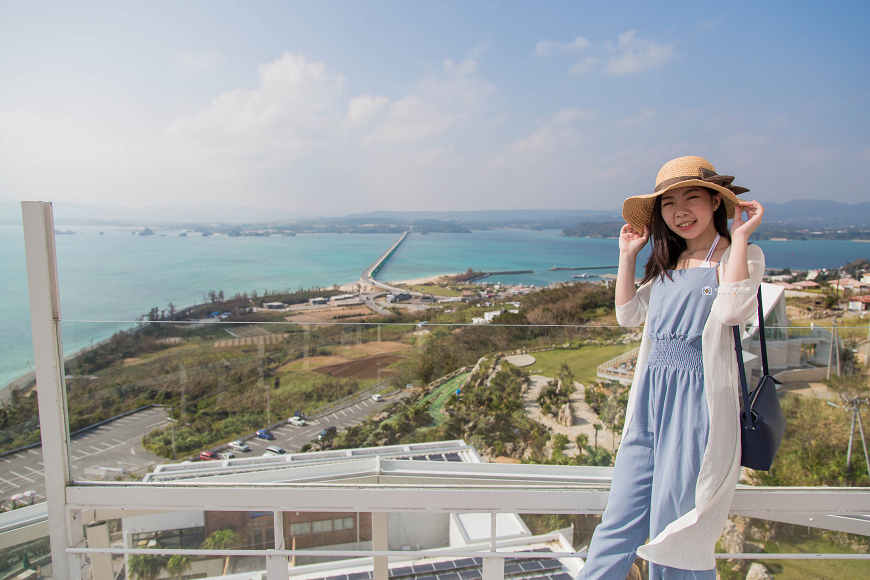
column 368, row 276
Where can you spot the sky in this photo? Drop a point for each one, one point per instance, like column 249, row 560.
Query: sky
column 336, row 107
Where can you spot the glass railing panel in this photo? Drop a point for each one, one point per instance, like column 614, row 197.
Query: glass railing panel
column 164, row 391
column 25, row 549
column 19, row 423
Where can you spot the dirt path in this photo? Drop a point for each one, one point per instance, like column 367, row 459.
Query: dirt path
column 584, row 418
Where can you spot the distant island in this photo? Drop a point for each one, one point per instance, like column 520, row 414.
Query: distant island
column 764, row 232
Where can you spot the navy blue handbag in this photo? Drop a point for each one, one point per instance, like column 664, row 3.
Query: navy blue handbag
column 762, row 424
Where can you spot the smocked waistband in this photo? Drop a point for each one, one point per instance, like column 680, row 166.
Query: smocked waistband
column 676, row 352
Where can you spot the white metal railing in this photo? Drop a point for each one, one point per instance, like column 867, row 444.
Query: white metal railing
column 72, row 505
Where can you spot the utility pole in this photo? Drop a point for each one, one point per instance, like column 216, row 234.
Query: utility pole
column 379, row 372
column 856, row 413
column 172, row 428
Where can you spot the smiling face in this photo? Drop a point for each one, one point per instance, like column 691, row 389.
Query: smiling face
column 688, row 211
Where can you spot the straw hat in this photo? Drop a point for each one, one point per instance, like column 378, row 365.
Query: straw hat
column 681, row 172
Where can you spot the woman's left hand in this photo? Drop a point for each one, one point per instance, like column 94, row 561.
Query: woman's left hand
column 743, row 229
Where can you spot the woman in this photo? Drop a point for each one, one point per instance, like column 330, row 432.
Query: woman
column 679, row 461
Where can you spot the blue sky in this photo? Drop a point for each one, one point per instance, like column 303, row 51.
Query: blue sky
column 337, row 107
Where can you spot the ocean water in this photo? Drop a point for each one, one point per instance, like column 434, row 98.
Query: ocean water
column 116, row 277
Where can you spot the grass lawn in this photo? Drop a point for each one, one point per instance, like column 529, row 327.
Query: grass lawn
column 813, row 569
column 434, row 290
column 582, row 361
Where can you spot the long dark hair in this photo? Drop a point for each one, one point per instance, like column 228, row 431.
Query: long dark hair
column 667, row 245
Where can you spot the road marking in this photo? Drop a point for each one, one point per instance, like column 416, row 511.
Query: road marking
column 34, row 452
column 39, row 473
column 344, row 413
column 21, row 476
column 41, row 463
column 84, row 454
column 153, row 425
column 109, row 446
column 118, row 442
column 96, row 449
column 15, row 485
column 4, row 459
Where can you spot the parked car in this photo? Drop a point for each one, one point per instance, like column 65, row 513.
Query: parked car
column 377, row 398
column 227, row 455
column 328, row 432
column 274, row 450
column 208, row 456
column 265, row 434
column 298, row 421
column 239, row 446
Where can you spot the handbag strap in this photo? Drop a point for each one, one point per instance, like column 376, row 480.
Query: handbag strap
column 746, row 416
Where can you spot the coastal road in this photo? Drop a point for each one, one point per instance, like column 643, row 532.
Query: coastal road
column 106, row 452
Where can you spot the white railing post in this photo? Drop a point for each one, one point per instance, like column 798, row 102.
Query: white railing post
column 276, row 566
column 380, row 542
column 48, row 356
column 493, row 566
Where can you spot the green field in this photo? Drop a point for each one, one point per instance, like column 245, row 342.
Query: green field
column 582, row 361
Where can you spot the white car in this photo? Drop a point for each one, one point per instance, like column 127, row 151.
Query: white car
column 298, row 421
column 376, row 398
column 239, row 446
column 227, row 455
column 274, row 450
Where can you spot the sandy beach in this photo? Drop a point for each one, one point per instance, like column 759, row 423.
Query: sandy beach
column 438, row 279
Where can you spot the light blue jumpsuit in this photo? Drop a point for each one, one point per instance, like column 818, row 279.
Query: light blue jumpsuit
column 660, row 456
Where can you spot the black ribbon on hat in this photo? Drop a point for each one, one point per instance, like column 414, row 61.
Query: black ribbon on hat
column 707, row 175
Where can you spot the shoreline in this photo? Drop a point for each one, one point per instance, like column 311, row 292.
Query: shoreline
column 27, row 380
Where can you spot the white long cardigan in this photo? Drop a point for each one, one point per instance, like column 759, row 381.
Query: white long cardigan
column 689, row 541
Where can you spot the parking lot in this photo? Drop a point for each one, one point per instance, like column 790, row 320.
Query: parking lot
column 291, row 438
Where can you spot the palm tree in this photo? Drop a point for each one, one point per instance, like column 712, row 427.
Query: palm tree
column 145, row 567
column 178, row 565
column 222, row 539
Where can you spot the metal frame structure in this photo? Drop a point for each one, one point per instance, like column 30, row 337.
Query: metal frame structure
column 73, row 506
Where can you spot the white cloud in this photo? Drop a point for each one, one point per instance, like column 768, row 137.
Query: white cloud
column 439, row 104
column 292, row 106
column 578, row 43
column 545, row 47
column 635, row 119
column 566, row 116
column 638, row 55
column 410, row 119
column 544, row 139
column 629, row 54
column 363, row 109
column 193, row 64
column 583, row 66
column 55, row 142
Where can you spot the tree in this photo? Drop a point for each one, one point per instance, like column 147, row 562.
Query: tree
column 222, row 539
column 178, row 565
column 597, row 427
column 145, row 567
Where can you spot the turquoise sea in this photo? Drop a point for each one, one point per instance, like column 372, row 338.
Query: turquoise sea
column 109, row 280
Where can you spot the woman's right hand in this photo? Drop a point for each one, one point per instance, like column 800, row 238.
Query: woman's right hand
column 632, row 241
